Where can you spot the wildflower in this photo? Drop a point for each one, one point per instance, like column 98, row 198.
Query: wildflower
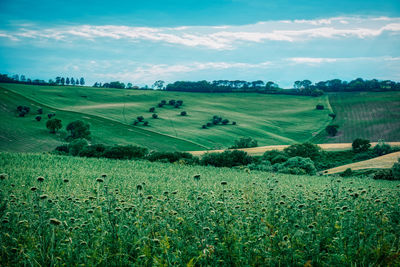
column 40, row 179
column 55, row 221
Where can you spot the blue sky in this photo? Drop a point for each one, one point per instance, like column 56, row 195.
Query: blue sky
column 141, row 42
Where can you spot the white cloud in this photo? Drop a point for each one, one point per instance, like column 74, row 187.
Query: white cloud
column 220, row 37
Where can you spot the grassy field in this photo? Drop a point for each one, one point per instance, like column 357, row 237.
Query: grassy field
column 27, row 135
column 382, row 162
column 270, row 119
column 373, row 115
column 153, row 214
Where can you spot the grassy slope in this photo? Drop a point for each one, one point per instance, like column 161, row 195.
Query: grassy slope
column 294, row 218
column 384, row 162
column 270, row 119
column 372, row 116
column 28, row 135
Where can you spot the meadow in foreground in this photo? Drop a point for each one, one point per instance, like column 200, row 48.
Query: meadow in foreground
column 58, row 210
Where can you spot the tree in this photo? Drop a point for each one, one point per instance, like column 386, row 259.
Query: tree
column 62, row 81
column 183, row 113
column 360, row 145
column 145, row 123
column 332, row 129
column 245, row 142
column 319, row 107
column 58, row 80
column 140, row 118
column 396, row 170
column 72, row 81
column 78, row 130
column 67, row 81
column 155, row 116
column 158, row 84
column 305, row 150
column 82, row 81
column 152, row 109
column 53, row 125
column 129, row 85
column 77, row 81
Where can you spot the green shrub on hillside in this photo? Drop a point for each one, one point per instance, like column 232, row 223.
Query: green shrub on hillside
column 78, row 129
column 382, row 149
column 332, row 129
column 75, row 147
column 305, row 150
column 361, row 145
column 54, row 125
column 244, row 142
column 296, row 165
column 384, row 174
column 396, row 170
column 226, row 159
column 171, row 157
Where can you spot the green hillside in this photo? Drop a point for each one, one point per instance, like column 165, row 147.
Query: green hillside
column 372, row 115
column 28, row 135
column 270, row 119
column 152, row 214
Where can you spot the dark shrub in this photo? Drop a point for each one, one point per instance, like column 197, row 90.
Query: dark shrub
column 160, row 105
column 297, row 165
column 19, row 108
column 169, row 156
column 78, row 129
column 382, row 149
column 51, row 115
column 396, row 170
column 279, row 159
column 332, row 115
column 176, row 106
column 179, row 102
column 183, row 113
column 140, row 118
column 152, row 109
column 233, row 122
column 245, row 142
column 146, row 123
column 305, row 150
column 348, row 172
column 225, row 121
column 135, row 122
column 163, row 102
column 63, row 149
column 209, row 124
column 76, row 146
column 154, row 116
column 53, row 125
column 264, row 165
column 40, row 111
column 275, row 156
column 172, row 102
column 22, row 113
column 125, row 152
column 361, row 145
column 332, row 129
column 204, row 126
column 363, row 156
column 226, row 159
column 38, row 118
column 319, row 107
column 93, row 151
column 384, row 174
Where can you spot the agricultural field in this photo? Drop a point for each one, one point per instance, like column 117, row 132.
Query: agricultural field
column 270, row 119
column 59, row 210
column 28, row 135
column 369, row 115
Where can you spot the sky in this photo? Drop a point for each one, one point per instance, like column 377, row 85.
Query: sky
column 144, row 41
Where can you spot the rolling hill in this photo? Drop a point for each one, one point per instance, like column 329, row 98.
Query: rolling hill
column 270, row 119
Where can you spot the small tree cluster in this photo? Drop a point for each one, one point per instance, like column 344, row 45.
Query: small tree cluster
column 360, row 145
column 140, row 119
column 245, row 142
column 172, row 102
column 332, row 129
column 54, row 125
column 23, row 110
column 78, row 130
column 217, row 120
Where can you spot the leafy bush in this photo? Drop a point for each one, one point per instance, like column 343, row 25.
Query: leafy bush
column 179, row 102
column 170, row 156
column 53, row 125
column 382, row 149
column 384, row 174
column 245, row 142
column 264, row 165
column 225, row 121
column 140, row 118
column 154, row 116
column 135, row 122
column 332, row 115
column 233, row 122
column 305, row 150
column 160, row 105
column 204, row 126
column 275, row 156
column 347, row 173
column 78, row 129
column 183, row 113
column 163, row 102
column 38, row 118
column 40, row 111
column 93, row 151
column 363, row 156
column 172, row 102
column 76, row 146
column 319, row 107
column 226, row 159
column 152, row 109
column 360, row 145
column 125, row 152
column 146, row 123
column 396, row 170
column 296, row 165
column 63, row 149
column 332, row 129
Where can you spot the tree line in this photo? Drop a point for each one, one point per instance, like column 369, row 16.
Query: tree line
column 4, row 78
